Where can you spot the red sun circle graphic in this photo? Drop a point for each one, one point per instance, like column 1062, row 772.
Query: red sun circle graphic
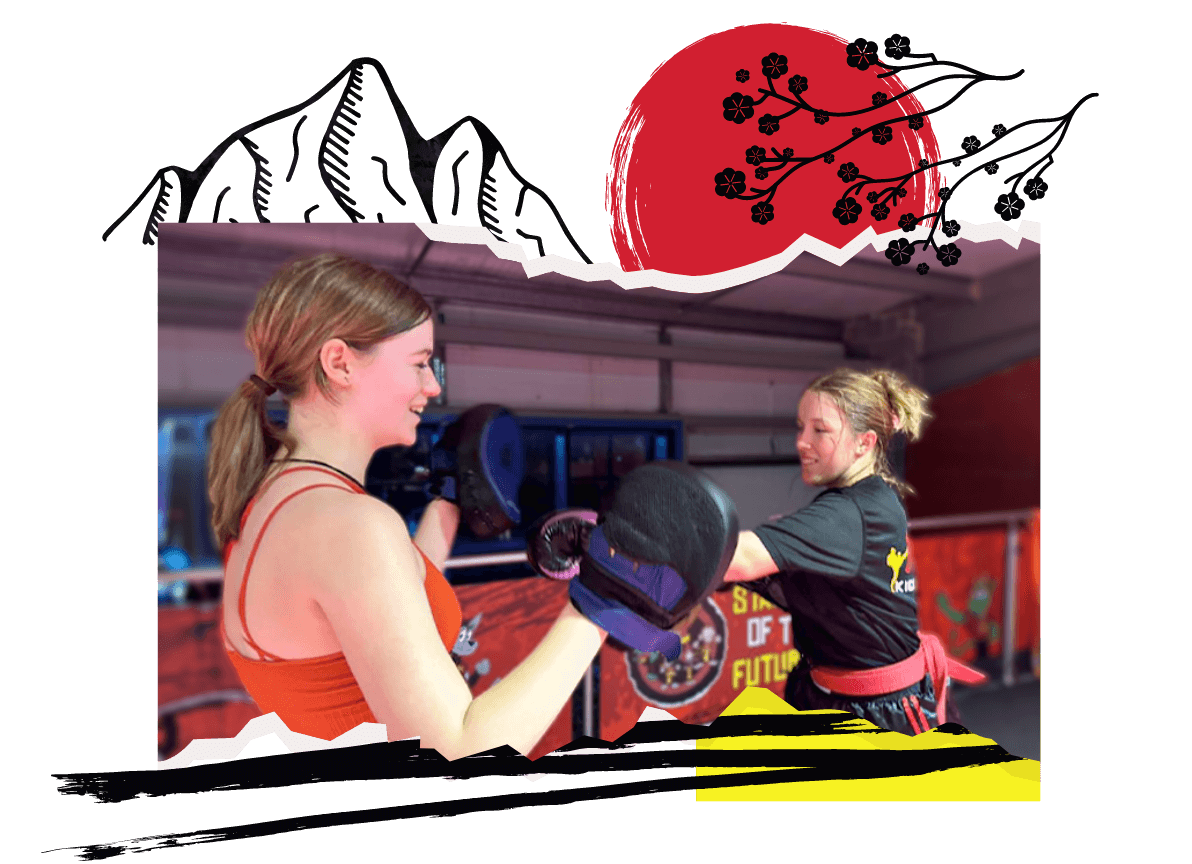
column 676, row 146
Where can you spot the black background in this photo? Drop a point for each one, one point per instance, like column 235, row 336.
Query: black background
column 553, row 95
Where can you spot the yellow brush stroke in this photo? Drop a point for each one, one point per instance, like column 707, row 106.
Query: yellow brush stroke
column 982, row 783
column 1011, row 781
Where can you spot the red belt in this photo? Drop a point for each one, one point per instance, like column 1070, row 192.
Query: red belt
column 930, row 659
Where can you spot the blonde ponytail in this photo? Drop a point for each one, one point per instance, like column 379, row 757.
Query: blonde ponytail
column 879, row 401
column 907, row 402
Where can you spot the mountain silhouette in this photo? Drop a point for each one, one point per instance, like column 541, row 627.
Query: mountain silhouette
column 351, row 153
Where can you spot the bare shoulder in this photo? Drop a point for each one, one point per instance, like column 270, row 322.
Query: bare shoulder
column 351, row 514
column 350, row 539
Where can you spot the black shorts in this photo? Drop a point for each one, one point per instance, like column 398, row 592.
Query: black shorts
column 909, row 711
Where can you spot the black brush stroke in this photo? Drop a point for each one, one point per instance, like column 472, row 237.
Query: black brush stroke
column 638, row 785
column 657, row 745
column 263, row 829
column 646, row 771
column 309, row 210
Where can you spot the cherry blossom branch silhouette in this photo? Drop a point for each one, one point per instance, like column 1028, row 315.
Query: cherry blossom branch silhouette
column 862, row 54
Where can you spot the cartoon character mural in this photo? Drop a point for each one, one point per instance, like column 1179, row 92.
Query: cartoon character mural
column 972, row 619
column 465, row 646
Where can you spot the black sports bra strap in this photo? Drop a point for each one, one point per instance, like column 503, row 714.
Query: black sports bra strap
column 343, row 474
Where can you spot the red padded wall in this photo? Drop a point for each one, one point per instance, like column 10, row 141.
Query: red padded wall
column 981, row 451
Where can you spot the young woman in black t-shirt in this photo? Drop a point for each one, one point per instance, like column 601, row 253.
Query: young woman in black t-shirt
column 839, row 565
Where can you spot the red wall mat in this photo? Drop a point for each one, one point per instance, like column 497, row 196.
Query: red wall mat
column 980, row 453
column 191, row 662
column 190, row 655
column 961, row 589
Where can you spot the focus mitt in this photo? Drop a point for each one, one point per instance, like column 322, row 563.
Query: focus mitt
column 478, row 463
column 663, row 545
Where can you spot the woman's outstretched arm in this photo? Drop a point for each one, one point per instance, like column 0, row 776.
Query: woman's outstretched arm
column 751, row 560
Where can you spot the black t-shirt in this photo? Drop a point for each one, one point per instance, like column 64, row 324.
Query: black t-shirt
column 843, row 576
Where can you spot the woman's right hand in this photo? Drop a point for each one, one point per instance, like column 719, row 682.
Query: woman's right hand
column 556, row 542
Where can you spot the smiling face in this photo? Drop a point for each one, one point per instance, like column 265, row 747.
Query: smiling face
column 393, row 385
column 830, row 452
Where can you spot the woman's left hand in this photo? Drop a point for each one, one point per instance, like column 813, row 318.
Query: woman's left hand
column 436, row 531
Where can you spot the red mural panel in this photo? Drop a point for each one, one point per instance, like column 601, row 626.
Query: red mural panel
column 514, row 615
column 191, row 659
column 194, row 672
column 961, row 589
column 738, row 640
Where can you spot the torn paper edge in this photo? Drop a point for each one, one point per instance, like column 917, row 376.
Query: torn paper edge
column 218, row 748
column 478, row 235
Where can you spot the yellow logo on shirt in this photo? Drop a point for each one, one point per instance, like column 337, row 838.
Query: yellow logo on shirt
column 895, row 560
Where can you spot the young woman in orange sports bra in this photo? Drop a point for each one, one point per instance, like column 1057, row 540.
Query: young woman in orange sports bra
column 333, row 615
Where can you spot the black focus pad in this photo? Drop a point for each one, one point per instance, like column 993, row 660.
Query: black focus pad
column 490, row 462
column 670, row 514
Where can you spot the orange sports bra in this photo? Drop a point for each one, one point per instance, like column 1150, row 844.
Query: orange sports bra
column 319, row 696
